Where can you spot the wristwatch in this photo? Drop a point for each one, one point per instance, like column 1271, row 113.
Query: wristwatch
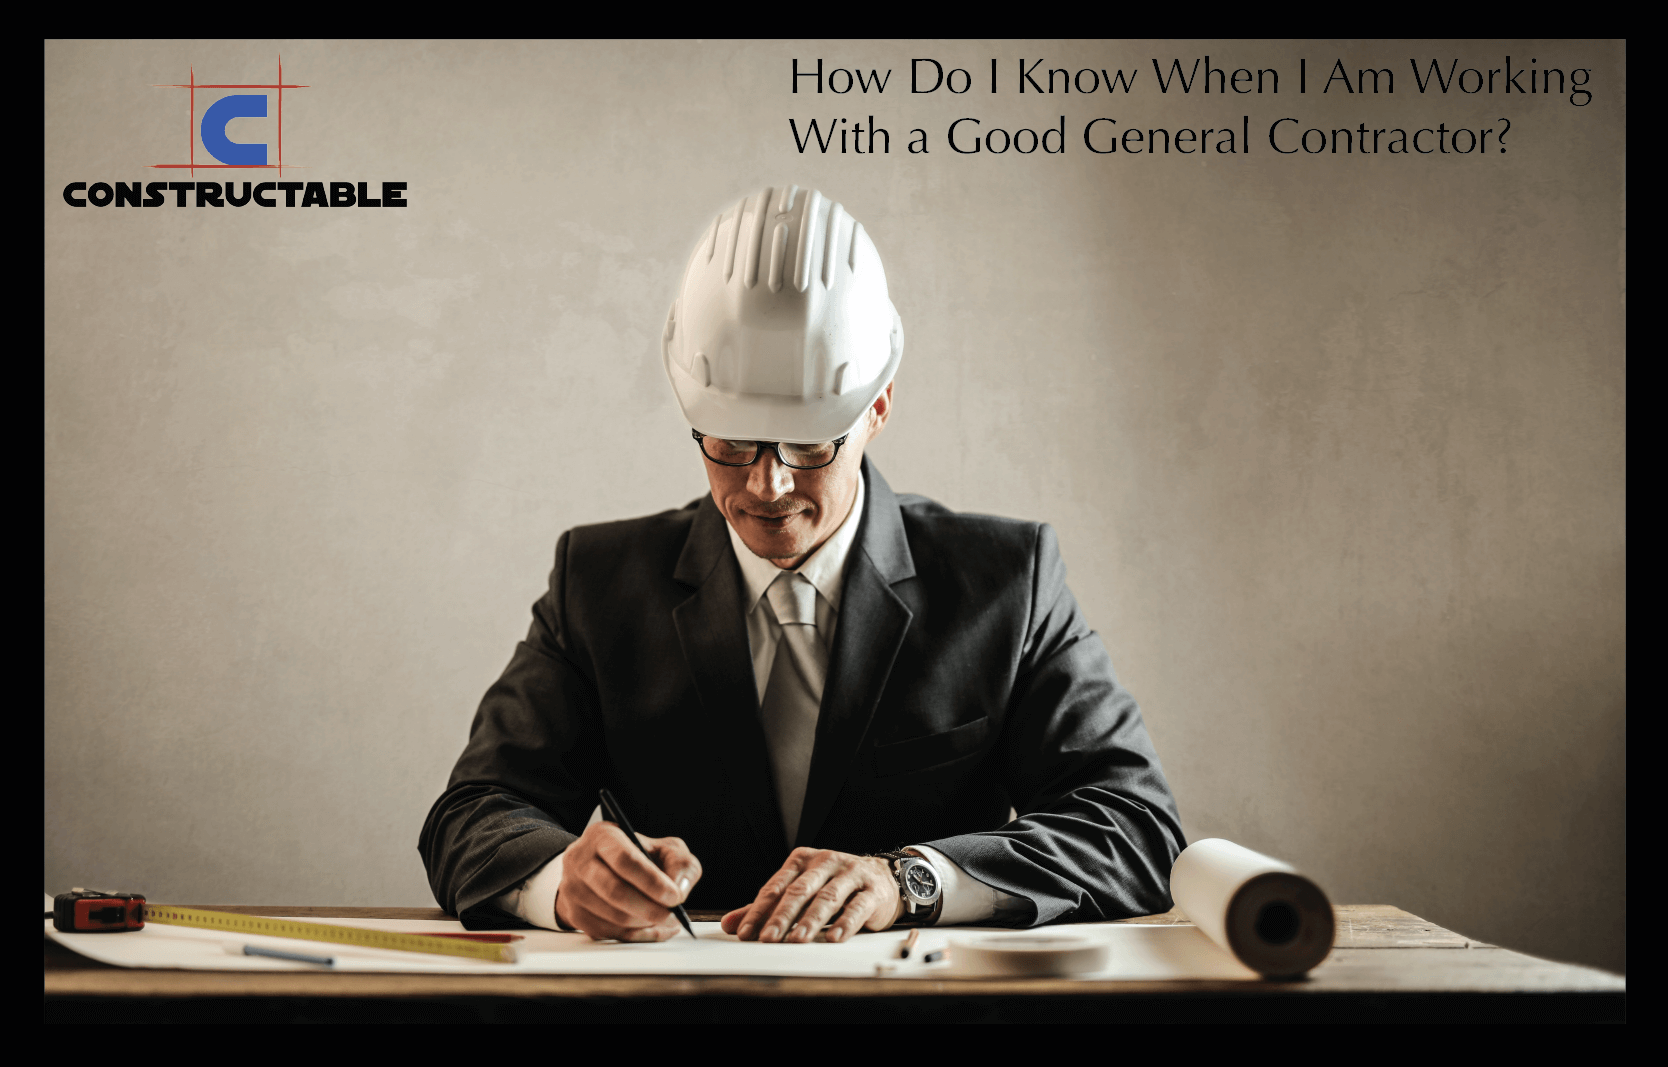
column 919, row 885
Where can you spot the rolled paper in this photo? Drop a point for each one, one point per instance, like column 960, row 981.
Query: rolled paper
column 1273, row 919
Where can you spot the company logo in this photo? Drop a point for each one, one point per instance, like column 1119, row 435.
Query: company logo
column 211, row 147
column 231, row 155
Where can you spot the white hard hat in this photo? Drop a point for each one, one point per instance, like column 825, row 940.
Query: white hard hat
column 782, row 329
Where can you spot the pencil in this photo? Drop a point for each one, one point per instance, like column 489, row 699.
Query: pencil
column 298, row 957
column 909, row 943
column 615, row 814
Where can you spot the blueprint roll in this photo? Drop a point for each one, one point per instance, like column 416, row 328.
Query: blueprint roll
column 1274, row 920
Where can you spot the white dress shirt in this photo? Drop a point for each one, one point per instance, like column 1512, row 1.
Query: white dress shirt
column 966, row 899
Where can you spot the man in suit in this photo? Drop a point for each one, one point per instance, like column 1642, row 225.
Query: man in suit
column 821, row 698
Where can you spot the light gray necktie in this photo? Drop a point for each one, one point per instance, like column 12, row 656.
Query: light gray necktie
column 793, row 696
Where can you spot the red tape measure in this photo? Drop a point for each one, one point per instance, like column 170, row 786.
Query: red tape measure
column 88, row 911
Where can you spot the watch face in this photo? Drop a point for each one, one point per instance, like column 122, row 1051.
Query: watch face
column 920, row 880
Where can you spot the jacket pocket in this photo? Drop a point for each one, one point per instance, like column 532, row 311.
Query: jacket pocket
column 920, row 753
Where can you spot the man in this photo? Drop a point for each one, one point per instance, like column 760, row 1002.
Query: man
column 822, row 698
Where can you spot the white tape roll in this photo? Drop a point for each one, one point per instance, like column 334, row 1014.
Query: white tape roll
column 1025, row 954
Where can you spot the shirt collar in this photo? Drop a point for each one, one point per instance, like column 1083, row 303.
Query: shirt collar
column 825, row 569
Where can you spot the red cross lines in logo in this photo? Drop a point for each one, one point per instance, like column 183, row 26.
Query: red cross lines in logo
column 229, row 154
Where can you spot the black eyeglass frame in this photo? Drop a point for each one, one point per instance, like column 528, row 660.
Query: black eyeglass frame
column 774, row 446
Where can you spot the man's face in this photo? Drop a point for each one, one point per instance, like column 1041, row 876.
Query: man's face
column 784, row 514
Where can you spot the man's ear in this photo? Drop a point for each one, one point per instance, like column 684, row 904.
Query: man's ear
column 880, row 411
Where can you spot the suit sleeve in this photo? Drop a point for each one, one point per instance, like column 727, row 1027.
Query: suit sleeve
column 1098, row 829
column 527, row 779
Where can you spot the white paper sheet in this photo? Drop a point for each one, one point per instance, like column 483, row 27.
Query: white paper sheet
column 1136, row 953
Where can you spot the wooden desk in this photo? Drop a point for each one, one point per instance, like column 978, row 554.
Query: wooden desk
column 1387, row 966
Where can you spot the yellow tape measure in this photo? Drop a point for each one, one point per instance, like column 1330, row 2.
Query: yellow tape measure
column 231, row 922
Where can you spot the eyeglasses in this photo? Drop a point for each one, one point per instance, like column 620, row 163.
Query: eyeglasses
column 743, row 453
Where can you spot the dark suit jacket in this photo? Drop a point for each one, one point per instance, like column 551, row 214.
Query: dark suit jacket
column 962, row 679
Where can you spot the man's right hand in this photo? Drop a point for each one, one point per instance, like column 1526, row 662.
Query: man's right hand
column 610, row 890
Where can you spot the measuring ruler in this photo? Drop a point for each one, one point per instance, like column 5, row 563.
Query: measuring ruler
column 233, row 923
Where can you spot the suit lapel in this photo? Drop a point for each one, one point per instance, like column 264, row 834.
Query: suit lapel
column 712, row 630
column 873, row 621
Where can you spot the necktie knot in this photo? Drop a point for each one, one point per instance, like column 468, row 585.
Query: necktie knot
column 794, row 599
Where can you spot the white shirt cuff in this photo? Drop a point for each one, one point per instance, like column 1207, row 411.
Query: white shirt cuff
column 534, row 901
column 966, row 899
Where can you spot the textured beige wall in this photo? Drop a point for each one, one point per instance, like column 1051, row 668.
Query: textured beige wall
column 1333, row 443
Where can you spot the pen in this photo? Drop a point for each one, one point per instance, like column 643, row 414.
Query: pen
column 276, row 954
column 909, row 943
column 615, row 814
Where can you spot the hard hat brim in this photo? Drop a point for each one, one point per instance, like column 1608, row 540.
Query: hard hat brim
column 756, row 417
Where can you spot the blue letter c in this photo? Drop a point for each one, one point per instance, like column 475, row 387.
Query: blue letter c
column 213, row 129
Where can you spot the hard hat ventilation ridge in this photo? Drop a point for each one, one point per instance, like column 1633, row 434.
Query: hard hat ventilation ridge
column 755, row 242
column 831, row 244
column 778, row 252
column 712, row 237
column 807, row 234
column 733, row 243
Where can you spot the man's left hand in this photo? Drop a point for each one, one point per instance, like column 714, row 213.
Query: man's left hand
column 816, row 887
